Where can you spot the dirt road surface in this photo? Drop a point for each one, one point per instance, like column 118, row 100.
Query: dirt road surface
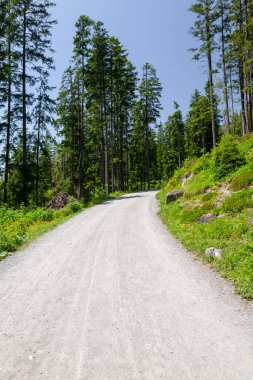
column 111, row 295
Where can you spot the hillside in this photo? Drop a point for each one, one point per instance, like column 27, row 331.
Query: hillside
column 219, row 185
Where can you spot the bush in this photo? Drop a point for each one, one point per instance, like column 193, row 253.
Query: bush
column 237, row 202
column 75, row 206
column 18, row 226
column 238, row 266
column 193, row 214
column 249, row 156
column 242, row 179
column 209, row 196
column 232, row 231
column 203, row 163
column 98, row 196
column 227, row 157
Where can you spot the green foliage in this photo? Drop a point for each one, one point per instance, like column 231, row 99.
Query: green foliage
column 246, row 147
column 227, row 157
column 198, row 126
column 237, row 265
column 98, row 196
column 146, row 111
column 18, row 227
column 75, row 206
column 26, row 107
column 170, row 145
column 231, row 231
column 237, row 202
column 94, row 108
column 243, row 178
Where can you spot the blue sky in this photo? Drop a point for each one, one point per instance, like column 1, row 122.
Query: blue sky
column 155, row 31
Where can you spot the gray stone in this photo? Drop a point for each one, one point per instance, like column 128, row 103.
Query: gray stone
column 187, row 179
column 207, row 218
column 214, row 252
column 174, row 195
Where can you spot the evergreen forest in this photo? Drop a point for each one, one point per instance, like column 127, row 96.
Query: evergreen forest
column 103, row 133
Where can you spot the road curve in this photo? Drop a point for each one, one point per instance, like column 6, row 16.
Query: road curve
column 111, row 295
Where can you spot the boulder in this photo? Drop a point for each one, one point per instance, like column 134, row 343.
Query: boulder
column 60, row 201
column 214, row 252
column 206, row 218
column 174, row 195
column 187, row 179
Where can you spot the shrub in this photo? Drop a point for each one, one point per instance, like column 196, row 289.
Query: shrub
column 193, row 214
column 190, row 216
column 238, row 266
column 19, row 226
column 249, row 156
column 227, row 157
column 237, row 202
column 209, row 196
column 243, row 179
column 203, row 163
column 98, row 196
column 75, row 206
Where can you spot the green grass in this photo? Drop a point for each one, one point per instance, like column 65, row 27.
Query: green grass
column 20, row 227
column 231, row 231
column 243, row 178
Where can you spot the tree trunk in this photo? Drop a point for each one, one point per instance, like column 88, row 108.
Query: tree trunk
column 105, row 141
column 210, row 68
column 127, row 153
column 81, row 140
column 112, row 134
column 241, row 81
column 24, row 112
column 147, row 133
column 224, row 65
column 38, row 153
column 231, row 92
column 8, row 131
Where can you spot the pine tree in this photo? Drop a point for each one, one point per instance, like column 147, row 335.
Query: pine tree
column 122, row 86
column 3, row 53
column 242, row 54
column 204, row 30
column 9, row 82
column 223, row 8
column 98, row 93
column 175, row 135
column 82, row 42
column 149, row 109
column 164, row 170
column 198, row 125
column 137, row 150
column 67, row 124
column 97, row 86
column 35, row 46
column 43, row 116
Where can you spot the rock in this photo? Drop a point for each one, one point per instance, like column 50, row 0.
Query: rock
column 206, row 218
column 214, row 252
column 221, row 216
column 170, row 197
column 187, row 179
column 61, row 200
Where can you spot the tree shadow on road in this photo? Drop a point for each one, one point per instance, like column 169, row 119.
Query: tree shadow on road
column 124, row 197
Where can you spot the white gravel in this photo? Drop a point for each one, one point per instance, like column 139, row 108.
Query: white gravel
column 111, row 295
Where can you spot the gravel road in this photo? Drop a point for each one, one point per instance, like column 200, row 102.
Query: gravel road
column 111, row 295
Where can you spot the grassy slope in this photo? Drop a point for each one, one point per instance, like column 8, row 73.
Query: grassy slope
column 19, row 227
column 231, row 200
